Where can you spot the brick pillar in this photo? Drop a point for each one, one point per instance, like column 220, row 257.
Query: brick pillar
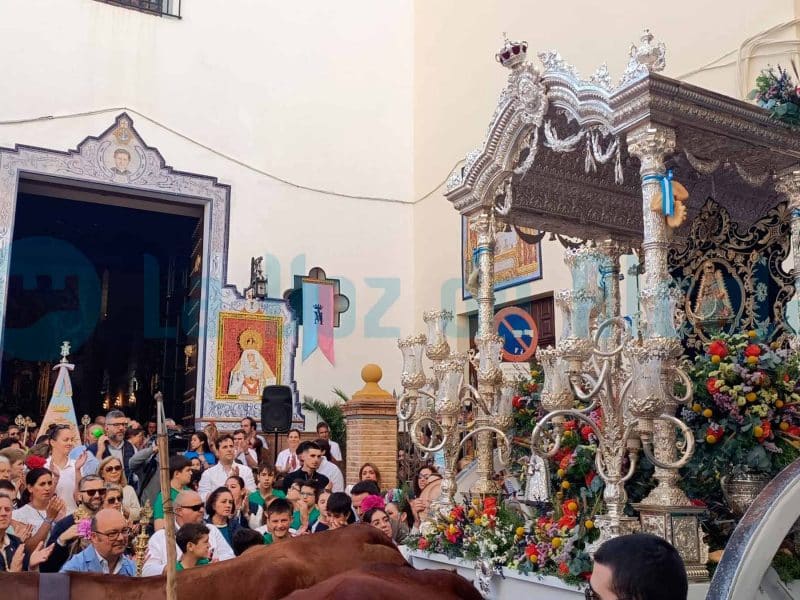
column 371, row 417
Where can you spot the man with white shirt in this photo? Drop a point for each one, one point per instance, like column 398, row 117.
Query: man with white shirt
column 245, row 455
column 217, row 475
column 188, row 509
column 324, row 433
column 330, row 470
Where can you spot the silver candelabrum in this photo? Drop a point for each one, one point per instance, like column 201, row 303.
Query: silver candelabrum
column 438, row 408
column 599, row 365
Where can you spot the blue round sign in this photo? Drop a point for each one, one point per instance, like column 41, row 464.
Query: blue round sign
column 519, row 332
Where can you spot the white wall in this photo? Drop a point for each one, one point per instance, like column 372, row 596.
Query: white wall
column 316, row 93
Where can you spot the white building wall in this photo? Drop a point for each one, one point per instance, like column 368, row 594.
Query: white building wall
column 318, row 94
column 371, row 99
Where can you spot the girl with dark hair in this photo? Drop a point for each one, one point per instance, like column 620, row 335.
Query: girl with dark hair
column 424, row 473
column 378, row 518
column 219, row 513
column 241, row 503
column 402, row 519
column 200, row 449
column 40, row 506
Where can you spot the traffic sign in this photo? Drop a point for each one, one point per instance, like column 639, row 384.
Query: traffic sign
column 519, row 332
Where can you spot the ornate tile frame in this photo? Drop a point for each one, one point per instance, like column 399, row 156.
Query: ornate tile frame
column 152, row 179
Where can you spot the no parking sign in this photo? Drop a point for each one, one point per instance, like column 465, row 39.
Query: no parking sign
column 519, row 332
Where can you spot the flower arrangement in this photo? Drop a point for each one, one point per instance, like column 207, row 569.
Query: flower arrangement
column 85, row 528
column 551, row 544
column 746, row 411
column 776, row 92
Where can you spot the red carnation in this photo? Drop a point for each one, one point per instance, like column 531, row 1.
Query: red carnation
column 563, row 568
column 711, row 385
column 422, row 543
column 753, row 350
column 569, row 521
column 698, row 502
column 517, row 402
column 570, row 426
column 35, row 462
column 589, row 478
column 586, row 431
column 531, row 550
column 766, row 428
column 718, row 348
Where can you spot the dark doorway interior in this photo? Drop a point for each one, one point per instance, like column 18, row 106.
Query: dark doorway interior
column 114, row 282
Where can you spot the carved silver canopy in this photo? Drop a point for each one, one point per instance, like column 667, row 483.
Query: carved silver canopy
column 556, row 157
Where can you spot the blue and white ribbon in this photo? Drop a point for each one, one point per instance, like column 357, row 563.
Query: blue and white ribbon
column 667, row 198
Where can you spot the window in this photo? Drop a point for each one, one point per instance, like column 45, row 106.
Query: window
column 169, row 8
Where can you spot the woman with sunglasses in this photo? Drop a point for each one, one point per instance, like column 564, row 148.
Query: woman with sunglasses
column 61, row 441
column 219, row 513
column 112, row 473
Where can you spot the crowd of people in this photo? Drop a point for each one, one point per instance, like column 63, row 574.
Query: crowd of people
column 75, row 505
column 70, row 505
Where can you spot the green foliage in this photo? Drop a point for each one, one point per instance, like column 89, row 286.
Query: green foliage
column 787, row 566
column 330, row 413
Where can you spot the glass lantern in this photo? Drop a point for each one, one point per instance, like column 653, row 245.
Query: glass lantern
column 450, row 376
column 556, row 392
column 412, row 348
column 660, row 305
column 437, row 321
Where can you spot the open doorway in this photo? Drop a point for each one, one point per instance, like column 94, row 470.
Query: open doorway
column 115, row 276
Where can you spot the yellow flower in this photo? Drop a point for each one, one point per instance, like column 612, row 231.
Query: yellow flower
column 565, row 485
column 711, row 439
column 708, row 413
column 778, row 403
column 471, row 514
column 573, row 506
column 696, row 407
column 751, row 397
column 589, row 524
column 534, row 373
column 751, row 334
column 752, row 360
column 534, row 558
column 741, row 401
column 568, row 433
column 561, row 473
column 784, row 426
column 715, row 359
column 477, row 520
column 556, row 543
column 758, row 431
column 520, row 531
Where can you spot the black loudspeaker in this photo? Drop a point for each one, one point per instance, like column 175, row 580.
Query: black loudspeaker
column 276, row 409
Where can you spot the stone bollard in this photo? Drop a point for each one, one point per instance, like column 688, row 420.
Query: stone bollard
column 371, row 417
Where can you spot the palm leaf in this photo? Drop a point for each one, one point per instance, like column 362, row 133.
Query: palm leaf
column 330, row 413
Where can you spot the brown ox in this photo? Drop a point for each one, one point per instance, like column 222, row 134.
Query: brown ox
column 390, row 582
column 262, row 573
